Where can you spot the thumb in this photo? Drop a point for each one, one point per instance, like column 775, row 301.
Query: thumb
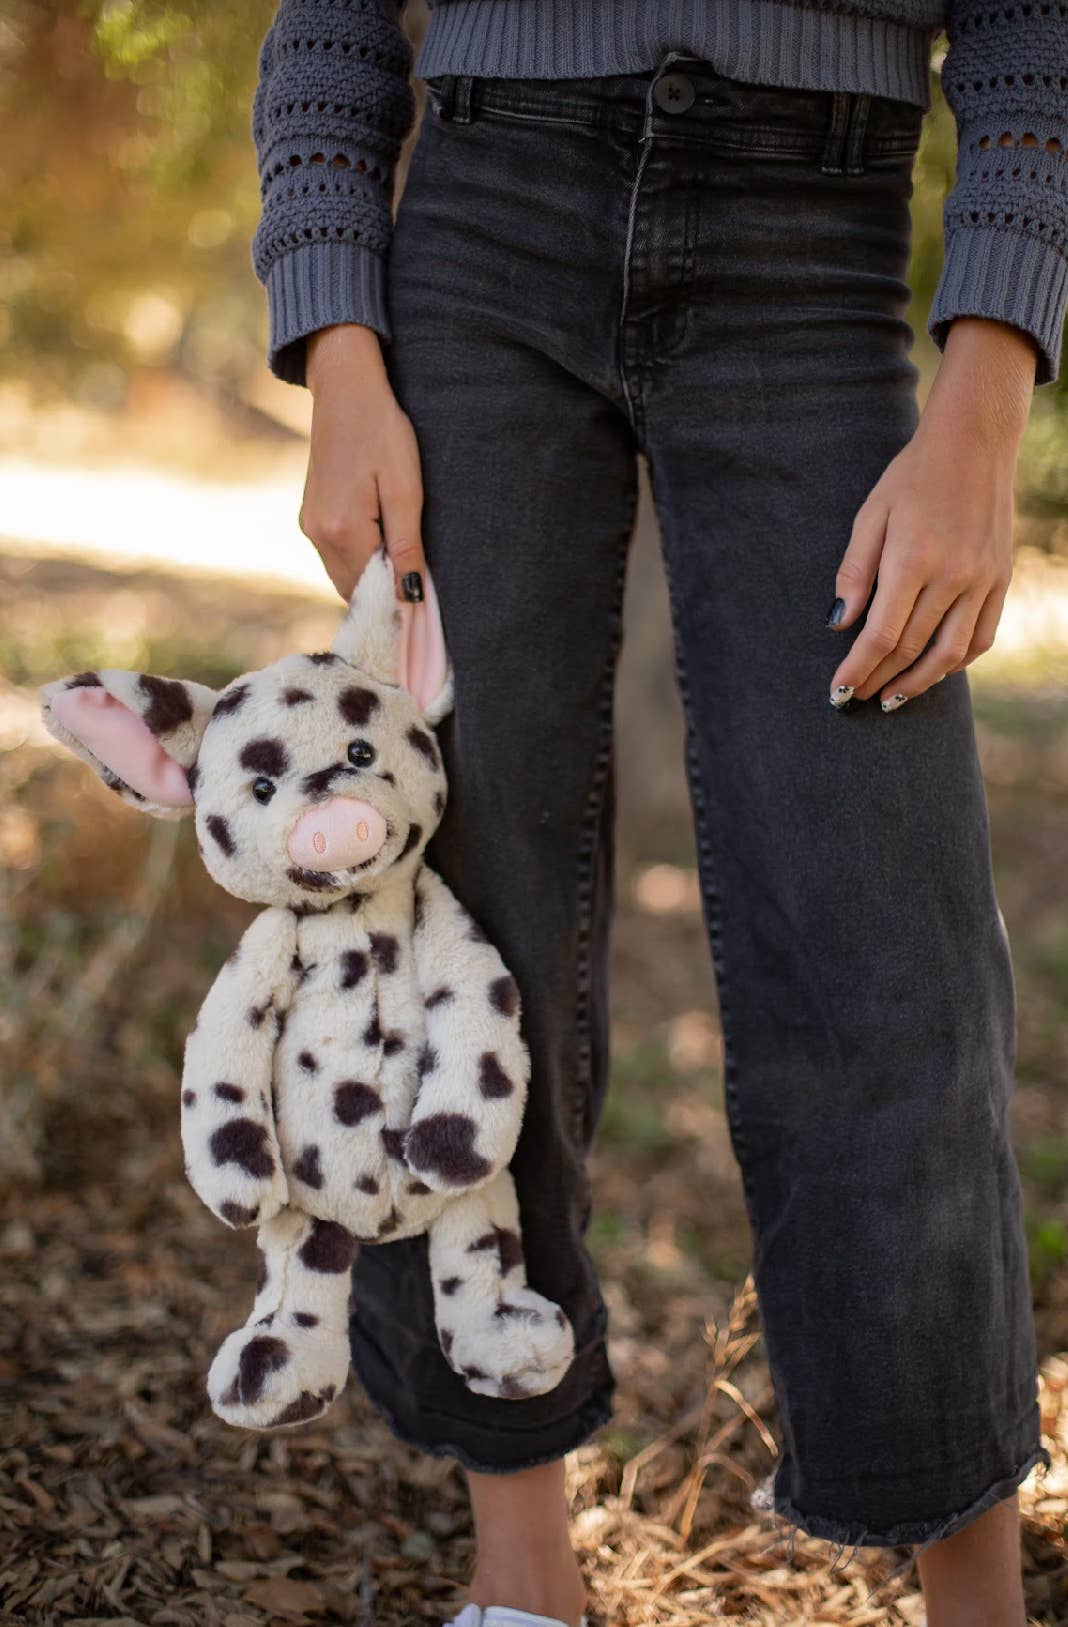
column 860, row 562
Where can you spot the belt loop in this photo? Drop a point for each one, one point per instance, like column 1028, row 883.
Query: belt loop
column 461, row 105
column 837, row 130
column 455, row 98
column 858, row 126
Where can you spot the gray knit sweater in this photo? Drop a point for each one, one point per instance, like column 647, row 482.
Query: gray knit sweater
column 334, row 103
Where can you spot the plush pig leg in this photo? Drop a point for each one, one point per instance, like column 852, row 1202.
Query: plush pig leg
column 291, row 1358
column 505, row 1339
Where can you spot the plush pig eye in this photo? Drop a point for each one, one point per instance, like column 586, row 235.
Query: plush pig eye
column 263, row 789
column 361, row 752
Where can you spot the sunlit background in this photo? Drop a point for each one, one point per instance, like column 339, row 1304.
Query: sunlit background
column 150, row 478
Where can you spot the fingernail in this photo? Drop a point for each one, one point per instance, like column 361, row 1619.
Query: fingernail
column 836, row 612
column 413, row 586
column 841, row 695
column 894, row 702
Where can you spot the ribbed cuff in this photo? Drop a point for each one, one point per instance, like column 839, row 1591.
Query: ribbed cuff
column 316, row 286
column 1010, row 276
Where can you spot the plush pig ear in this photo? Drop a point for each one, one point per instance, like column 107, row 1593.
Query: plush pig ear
column 395, row 642
column 140, row 733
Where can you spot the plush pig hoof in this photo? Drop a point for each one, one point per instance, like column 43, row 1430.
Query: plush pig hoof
column 521, row 1347
column 273, row 1375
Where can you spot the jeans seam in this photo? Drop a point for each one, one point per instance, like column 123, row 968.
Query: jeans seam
column 591, row 820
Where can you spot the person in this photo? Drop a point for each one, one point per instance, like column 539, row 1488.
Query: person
column 680, row 232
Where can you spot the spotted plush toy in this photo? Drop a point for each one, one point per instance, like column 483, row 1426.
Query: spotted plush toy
column 356, row 1073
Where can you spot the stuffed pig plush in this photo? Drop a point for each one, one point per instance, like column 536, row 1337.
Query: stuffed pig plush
column 356, row 1073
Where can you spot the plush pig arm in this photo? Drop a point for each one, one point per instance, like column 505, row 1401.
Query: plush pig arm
column 475, row 1066
column 228, row 1131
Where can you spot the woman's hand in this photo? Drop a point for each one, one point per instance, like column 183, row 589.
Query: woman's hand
column 937, row 528
column 363, row 481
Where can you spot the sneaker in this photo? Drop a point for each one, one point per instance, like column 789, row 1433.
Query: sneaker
column 499, row 1615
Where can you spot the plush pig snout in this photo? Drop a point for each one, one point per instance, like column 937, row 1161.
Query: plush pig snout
column 337, row 834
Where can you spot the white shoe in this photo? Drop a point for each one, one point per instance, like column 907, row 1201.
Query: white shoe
column 499, row 1615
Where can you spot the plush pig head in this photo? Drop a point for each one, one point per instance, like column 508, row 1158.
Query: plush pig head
column 315, row 778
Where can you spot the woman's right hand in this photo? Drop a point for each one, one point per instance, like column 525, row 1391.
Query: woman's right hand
column 364, row 482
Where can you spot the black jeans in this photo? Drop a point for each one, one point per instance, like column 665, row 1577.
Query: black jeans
column 712, row 274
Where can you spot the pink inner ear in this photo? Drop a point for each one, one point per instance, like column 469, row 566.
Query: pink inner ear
column 122, row 742
column 422, row 662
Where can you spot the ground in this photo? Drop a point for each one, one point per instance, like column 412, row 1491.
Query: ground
column 122, row 1499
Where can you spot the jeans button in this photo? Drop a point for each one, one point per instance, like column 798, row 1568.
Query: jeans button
column 674, row 93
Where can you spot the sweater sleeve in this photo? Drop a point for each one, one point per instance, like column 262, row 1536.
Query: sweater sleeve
column 1005, row 220
column 332, row 105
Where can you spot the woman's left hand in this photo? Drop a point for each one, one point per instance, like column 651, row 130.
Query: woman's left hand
column 937, row 528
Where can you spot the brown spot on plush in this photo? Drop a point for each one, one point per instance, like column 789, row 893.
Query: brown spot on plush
column 443, row 1144
column 300, row 1411
column 354, row 964
column 488, row 1240
column 511, row 1249
column 393, row 1141
column 308, row 1169
column 390, row 1224
column 265, row 756
column 354, row 1101
column 192, row 779
column 189, row 1098
column 504, row 1310
column 85, row 680
column 423, row 744
column 439, row 802
column 245, row 1143
column 307, row 1062
column 511, row 1387
column 418, row 1188
column 438, row 998
column 384, row 947
column 473, row 1372
column 504, row 995
column 323, row 658
column 327, row 1248
column 449, row 1285
column 305, row 1319
column 235, row 1214
column 313, row 881
column 230, row 701
column 318, row 784
column 428, row 1060
column 357, row 705
column 256, row 1014
column 219, row 831
column 493, row 1082
column 372, row 1034
column 169, row 704
column 561, row 1319
column 368, row 1184
column 262, row 1271
column 446, row 1336
column 229, row 1093
column 296, row 697
column 393, row 1042
column 418, row 909
column 260, row 1358
column 413, row 838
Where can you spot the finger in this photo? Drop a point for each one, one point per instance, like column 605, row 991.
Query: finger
column 946, row 653
column 344, row 543
column 402, row 511
column 932, row 605
column 986, row 625
column 856, row 573
column 895, row 597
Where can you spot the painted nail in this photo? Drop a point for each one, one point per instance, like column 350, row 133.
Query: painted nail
column 413, row 586
column 894, row 702
column 836, row 612
column 841, row 695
